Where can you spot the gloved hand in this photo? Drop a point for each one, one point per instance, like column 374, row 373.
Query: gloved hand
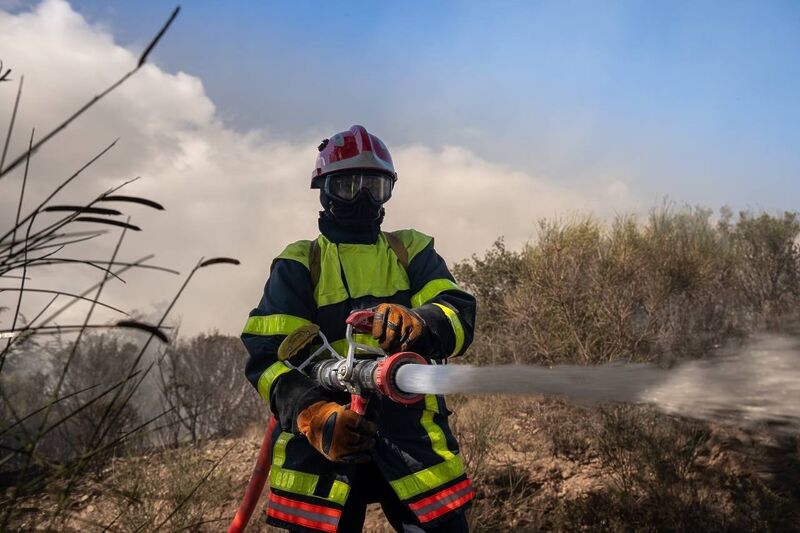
column 397, row 328
column 338, row 433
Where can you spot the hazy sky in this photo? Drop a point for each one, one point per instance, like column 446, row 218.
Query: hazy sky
column 497, row 113
column 696, row 100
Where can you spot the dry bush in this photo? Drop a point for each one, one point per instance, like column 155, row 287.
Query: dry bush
column 503, row 501
column 203, row 385
column 675, row 286
column 100, row 360
column 503, row 490
column 649, row 453
column 570, row 429
column 664, row 473
column 477, row 426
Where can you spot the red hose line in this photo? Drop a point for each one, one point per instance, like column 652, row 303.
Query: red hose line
column 257, row 481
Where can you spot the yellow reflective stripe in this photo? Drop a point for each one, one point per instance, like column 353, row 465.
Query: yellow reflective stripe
column 458, row 329
column 285, row 479
column 428, row 479
column 432, row 289
column 292, row 481
column 330, row 288
column 279, row 450
column 300, row 482
column 274, row 324
column 297, row 251
column 268, row 378
column 339, row 492
column 435, row 433
column 371, row 269
column 363, row 338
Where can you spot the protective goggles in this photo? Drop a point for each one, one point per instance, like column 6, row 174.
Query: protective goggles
column 345, row 186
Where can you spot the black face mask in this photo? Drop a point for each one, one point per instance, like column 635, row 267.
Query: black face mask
column 361, row 214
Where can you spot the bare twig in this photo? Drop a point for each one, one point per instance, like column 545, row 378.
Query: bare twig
column 42, row 408
column 56, row 330
column 24, row 267
column 49, row 230
column 11, row 123
column 62, row 244
column 95, row 263
column 154, row 42
column 62, row 293
column 52, row 236
column 93, row 287
column 4, row 75
column 22, row 189
column 36, row 262
column 61, row 186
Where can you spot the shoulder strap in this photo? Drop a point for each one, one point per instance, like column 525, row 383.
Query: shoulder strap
column 314, row 266
column 398, row 248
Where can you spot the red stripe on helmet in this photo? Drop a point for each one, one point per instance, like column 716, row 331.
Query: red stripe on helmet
column 301, row 521
column 303, row 506
column 355, row 148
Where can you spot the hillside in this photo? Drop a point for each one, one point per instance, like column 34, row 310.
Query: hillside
column 538, row 463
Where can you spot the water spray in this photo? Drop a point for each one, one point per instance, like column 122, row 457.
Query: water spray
column 754, row 386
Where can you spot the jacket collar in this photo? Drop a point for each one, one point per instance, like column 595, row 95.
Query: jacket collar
column 338, row 234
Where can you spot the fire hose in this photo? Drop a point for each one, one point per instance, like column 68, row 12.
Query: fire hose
column 360, row 377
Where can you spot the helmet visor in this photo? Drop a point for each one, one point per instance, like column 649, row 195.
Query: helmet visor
column 345, row 186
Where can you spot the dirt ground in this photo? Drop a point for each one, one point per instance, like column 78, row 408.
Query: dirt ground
column 536, row 463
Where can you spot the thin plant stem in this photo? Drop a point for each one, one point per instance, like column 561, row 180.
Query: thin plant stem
column 11, row 123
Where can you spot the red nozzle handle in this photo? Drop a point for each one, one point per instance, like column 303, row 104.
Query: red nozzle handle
column 361, row 320
column 358, row 403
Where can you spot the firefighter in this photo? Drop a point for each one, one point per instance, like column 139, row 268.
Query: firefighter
column 328, row 462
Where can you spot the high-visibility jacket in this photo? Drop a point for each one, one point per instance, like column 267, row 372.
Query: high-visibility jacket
column 415, row 451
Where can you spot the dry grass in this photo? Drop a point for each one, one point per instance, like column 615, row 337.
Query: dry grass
column 626, row 469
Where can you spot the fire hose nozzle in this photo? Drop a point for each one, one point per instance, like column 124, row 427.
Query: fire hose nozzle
column 385, row 377
column 369, row 375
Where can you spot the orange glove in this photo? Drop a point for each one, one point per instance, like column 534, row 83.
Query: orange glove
column 397, row 328
column 341, row 435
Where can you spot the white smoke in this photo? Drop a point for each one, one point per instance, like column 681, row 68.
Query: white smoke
column 227, row 193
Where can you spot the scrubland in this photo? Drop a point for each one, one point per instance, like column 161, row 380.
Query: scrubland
column 675, row 286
